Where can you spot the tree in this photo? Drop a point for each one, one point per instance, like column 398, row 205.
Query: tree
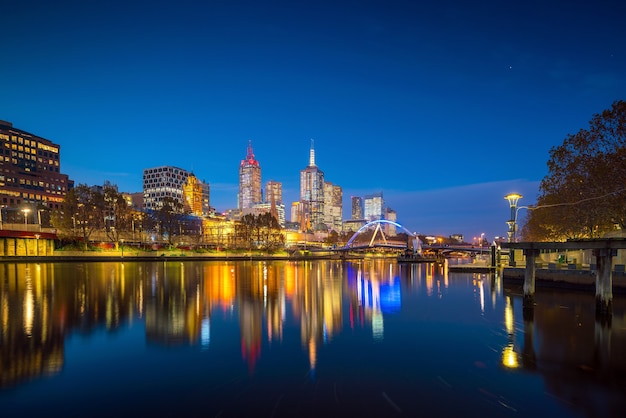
column 261, row 231
column 117, row 214
column 169, row 218
column 584, row 193
column 81, row 214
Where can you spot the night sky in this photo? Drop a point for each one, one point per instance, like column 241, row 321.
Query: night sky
column 444, row 106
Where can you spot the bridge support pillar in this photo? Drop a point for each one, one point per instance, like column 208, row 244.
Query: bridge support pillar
column 604, row 282
column 529, row 277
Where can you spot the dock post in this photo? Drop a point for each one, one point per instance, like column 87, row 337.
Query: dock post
column 604, row 281
column 529, row 277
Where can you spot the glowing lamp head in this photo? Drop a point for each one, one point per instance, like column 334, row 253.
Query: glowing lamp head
column 513, row 198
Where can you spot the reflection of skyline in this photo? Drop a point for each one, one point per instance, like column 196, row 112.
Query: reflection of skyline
column 271, row 303
column 41, row 304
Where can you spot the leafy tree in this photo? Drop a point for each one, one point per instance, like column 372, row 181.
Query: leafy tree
column 583, row 195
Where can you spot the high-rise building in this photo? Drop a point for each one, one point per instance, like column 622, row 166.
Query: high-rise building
column 357, row 207
column 161, row 182
column 390, row 229
column 312, row 195
column 333, row 196
column 197, row 196
column 249, row 180
column 274, row 190
column 374, row 206
column 30, row 170
column 277, row 210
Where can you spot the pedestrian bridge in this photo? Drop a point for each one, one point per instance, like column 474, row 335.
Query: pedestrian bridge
column 372, row 235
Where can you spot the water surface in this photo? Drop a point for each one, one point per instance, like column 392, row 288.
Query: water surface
column 289, row 339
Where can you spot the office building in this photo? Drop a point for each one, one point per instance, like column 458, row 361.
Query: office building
column 390, row 229
column 161, row 182
column 312, row 195
column 333, row 196
column 277, row 210
column 374, row 207
column 274, row 191
column 249, row 181
column 30, row 170
column 357, row 207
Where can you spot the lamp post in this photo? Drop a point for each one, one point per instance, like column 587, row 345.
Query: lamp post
column 37, row 243
column 39, row 217
column 1, row 220
column 26, row 217
column 122, row 247
column 513, row 198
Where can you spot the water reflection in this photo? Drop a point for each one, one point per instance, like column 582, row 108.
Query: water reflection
column 429, row 332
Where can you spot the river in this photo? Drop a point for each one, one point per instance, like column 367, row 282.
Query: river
column 299, row 339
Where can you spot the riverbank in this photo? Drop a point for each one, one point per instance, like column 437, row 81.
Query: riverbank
column 143, row 256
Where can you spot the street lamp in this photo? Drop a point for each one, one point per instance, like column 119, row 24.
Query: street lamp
column 26, row 216
column 39, row 217
column 122, row 247
column 37, row 243
column 513, row 198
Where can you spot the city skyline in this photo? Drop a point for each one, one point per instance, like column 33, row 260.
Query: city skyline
column 444, row 107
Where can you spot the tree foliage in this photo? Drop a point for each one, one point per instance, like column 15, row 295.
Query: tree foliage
column 584, row 193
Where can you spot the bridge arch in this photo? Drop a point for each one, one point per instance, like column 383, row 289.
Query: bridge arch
column 377, row 223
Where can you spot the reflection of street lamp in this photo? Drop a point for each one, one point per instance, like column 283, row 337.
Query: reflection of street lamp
column 513, row 198
column 26, row 216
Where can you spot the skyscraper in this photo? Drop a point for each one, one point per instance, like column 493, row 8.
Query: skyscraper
column 374, row 206
column 249, row 180
column 312, row 195
column 333, row 197
column 274, row 189
column 357, row 207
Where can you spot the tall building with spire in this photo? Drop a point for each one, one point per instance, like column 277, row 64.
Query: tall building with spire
column 312, row 195
column 249, row 180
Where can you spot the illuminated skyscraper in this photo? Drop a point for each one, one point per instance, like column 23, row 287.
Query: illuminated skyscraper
column 312, row 195
column 390, row 229
column 357, row 207
column 333, row 197
column 374, row 206
column 274, row 189
column 249, row 180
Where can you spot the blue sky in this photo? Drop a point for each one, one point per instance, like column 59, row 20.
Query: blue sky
column 444, row 106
